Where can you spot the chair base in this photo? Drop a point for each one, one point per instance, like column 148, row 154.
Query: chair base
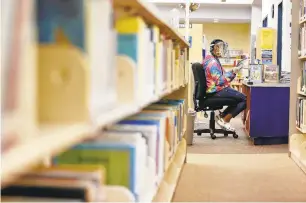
column 212, row 130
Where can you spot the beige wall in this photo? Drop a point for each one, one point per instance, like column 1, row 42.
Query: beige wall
column 237, row 35
column 196, row 32
column 195, row 54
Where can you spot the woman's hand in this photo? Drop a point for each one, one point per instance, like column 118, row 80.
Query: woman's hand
column 239, row 66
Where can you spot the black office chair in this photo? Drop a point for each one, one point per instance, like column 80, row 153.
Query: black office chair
column 202, row 102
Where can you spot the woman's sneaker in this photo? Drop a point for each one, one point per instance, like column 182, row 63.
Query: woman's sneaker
column 225, row 126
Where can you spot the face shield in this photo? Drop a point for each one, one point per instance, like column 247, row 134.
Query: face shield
column 221, row 49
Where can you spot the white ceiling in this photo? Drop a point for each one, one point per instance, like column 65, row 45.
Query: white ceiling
column 231, row 11
column 204, row 1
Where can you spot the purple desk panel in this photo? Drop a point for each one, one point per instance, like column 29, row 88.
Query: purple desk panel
column 269, row 114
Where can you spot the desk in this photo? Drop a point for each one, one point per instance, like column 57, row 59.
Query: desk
column 266, row 117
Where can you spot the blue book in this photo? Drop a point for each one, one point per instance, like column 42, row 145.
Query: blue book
column 128, row 45
column 173, row 107
column 169, row 120
column 66, row 16
column 119, row 158
column 180, row 104
column 160, row 138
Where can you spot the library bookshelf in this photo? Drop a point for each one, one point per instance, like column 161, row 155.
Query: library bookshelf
column 42, row 141
column 297, row 130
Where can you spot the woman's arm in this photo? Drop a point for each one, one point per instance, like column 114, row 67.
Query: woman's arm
column 219, row 78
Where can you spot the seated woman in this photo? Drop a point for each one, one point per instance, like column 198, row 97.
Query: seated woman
column 218, row 84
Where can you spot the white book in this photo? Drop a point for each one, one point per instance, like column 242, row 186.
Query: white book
column 151, row 66
column 101, row 52
column 136, row 139
column 148, row 67
column 150, row 134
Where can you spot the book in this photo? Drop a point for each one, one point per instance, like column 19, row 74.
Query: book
column 161, row 134
column 176, row 111
column 303, row 77
column 44, row 187
column 18, row 72
column 150, row 134
column 133, row 41
column 92, row 173
column 96, row 173
column 36, row 199
column 74, row 34
column 170, row 123
column 179, row 103
column 121, row 153
column 101, row 49
column 301, row 113
column 271, row 73
column 256, row 73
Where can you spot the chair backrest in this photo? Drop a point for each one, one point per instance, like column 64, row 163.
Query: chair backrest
column 200, row 85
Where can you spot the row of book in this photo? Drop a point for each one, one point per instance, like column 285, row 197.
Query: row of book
column 301, row 113
column 302, row 40
column 302, row 83
column 134, row 153
column 87, row 61
column 259, row 73
column 302, row 11
column 285, row 77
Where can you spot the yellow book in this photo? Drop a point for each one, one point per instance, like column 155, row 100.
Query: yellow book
column 132, row 42
column 82, row 171
column 129, row 25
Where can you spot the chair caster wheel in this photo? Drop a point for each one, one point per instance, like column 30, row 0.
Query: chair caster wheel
column 225, row 134
column 235, row 136
column 213, row 136
column 199, row 134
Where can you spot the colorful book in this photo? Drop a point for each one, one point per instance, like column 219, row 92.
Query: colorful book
column 149, row 133
column 120, row 154
column 43, row 187
column 176, row 112
column 179, row 103
column 160, row 137
column 132, row 42
column 170, row 124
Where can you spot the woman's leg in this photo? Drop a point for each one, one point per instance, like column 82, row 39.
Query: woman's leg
column 233, row 109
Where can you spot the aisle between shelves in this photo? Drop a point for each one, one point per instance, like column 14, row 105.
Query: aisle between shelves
column 102, row 117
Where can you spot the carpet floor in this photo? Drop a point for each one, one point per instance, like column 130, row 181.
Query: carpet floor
column 234, row 170
column 228, row 145
column 240, row 178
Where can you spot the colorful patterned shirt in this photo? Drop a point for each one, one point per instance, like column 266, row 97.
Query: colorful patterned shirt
column 216, row 77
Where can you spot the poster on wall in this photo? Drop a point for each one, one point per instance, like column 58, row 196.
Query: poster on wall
column 266, row 57
column 267, row 38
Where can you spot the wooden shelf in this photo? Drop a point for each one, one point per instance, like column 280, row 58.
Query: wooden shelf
column 301, row 93
column 51, row 140
column 295, row 157
column 302, row 57
column 299, row 129
column 302, row 20
column 152, row 16
column 54, row 139
column 168, row 184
